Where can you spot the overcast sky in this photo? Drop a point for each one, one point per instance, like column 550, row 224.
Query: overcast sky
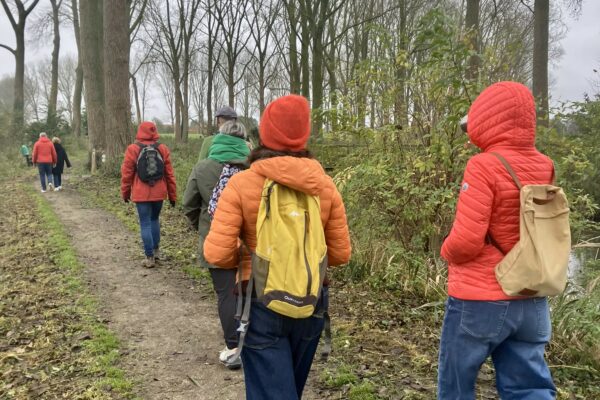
column 570, row 77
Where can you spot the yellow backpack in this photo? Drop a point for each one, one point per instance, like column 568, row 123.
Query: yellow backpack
column 537, row 264
column 289, row 262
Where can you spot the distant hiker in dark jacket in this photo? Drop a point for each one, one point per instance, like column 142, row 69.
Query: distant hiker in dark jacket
column 227, row 155
column 61, row 159
column 223, row 115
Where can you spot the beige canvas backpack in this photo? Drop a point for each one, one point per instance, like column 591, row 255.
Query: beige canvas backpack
column 537, row 264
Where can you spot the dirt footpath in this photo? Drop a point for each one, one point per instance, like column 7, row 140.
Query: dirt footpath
column 169, row 330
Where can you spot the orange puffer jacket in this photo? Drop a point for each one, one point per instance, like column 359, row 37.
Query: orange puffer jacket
column 500, row 120
column 237, row 209
column 132, row 186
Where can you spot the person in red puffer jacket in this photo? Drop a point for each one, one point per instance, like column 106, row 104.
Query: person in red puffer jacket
column 44, row 156
column 480, row 319
column 148, row 197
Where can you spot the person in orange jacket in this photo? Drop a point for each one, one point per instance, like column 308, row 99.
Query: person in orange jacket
column 482, row 321
column 279, row 350
column 147, row 178
column 44, row 156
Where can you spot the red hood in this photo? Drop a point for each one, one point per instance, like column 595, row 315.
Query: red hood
column 502, row 115
column 303, row 174
column 147, row 132
column 44, row 139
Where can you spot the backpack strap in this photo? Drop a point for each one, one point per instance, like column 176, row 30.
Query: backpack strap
column 243, row 305
column 510, row 170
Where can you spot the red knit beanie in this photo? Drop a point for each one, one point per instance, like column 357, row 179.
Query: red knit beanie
column 285, row 124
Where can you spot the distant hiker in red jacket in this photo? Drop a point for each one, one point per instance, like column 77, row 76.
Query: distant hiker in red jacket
column 481, row 320
column 44, row 155
column 147, row 178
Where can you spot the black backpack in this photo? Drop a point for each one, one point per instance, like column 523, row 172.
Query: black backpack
column 150, row 165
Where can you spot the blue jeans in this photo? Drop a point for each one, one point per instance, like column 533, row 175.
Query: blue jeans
column 148, row 212
column 45, row 170
column 279, row 351
column 513, row 332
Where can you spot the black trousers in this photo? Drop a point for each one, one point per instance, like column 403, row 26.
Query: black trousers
column 224, row 283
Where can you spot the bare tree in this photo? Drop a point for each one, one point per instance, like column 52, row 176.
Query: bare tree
column 78, row 90
column 541, row 12
column 18, row 21
column 52, row 101
column 67, row 81
column 116, row 79
column 233, row 37
column 472, row 26
column 91, row 15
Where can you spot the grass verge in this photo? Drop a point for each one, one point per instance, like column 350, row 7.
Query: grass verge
column 52, row 343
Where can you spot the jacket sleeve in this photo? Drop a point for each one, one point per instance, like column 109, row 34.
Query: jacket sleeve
column 221, row 246
column 128, row 172
column 467, row 237
column 54, row 157
column 66, row 159
column 192, row 200
column 170, row 175
column 337, row 235
column 35, row 153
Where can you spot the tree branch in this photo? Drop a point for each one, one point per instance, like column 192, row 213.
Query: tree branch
column 13, row 51
column 11, row 18
column 527, row 5
column 31, row 7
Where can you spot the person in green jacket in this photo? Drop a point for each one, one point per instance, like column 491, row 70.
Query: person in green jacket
column 227, row 154
column 26, row 155
column 223, row 115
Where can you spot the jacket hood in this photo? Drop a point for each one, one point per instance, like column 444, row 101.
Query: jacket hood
column 44, row 139
column 502, row 115
column 303, row 174
column 147, row 132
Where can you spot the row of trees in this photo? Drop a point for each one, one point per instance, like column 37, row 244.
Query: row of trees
column 358, row 61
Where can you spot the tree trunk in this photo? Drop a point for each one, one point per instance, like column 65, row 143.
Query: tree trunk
column 472, row 26
column 19, row 100
column 91, row 29
column 400, row 69
column 138, row 111
column 116, row 79
column 540, row 59
column 294, row 66
column 230, row 83
column 51, row 118
column 305, row 43
column 78, row 91
column 261, row 87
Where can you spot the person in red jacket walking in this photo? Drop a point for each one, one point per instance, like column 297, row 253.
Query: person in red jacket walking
column 44, row 155
column 148, row 194
column 480, row 319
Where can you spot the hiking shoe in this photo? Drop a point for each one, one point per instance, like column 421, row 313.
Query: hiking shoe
column 230, row 359
column 158, row 256
column 51, row 186
column 149, row 262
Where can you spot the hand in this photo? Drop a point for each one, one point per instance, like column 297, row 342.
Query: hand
column 172, row 202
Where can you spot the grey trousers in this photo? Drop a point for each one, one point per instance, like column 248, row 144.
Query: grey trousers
column 224, row 283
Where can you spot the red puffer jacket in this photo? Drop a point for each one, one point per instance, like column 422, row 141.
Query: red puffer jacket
column 131, row 185
column 500, row 120
column 44, row 152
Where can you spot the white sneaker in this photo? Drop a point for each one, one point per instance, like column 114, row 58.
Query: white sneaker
column 56, row 189
column 229, row 358
column 43, row 191
column 51, row 186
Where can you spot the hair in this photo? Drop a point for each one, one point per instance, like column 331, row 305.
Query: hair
column 261, row 152
column 234, row 128
column 43, row 134
column 55, row 139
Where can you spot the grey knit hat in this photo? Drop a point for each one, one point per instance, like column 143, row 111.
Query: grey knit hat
column 226, row 112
